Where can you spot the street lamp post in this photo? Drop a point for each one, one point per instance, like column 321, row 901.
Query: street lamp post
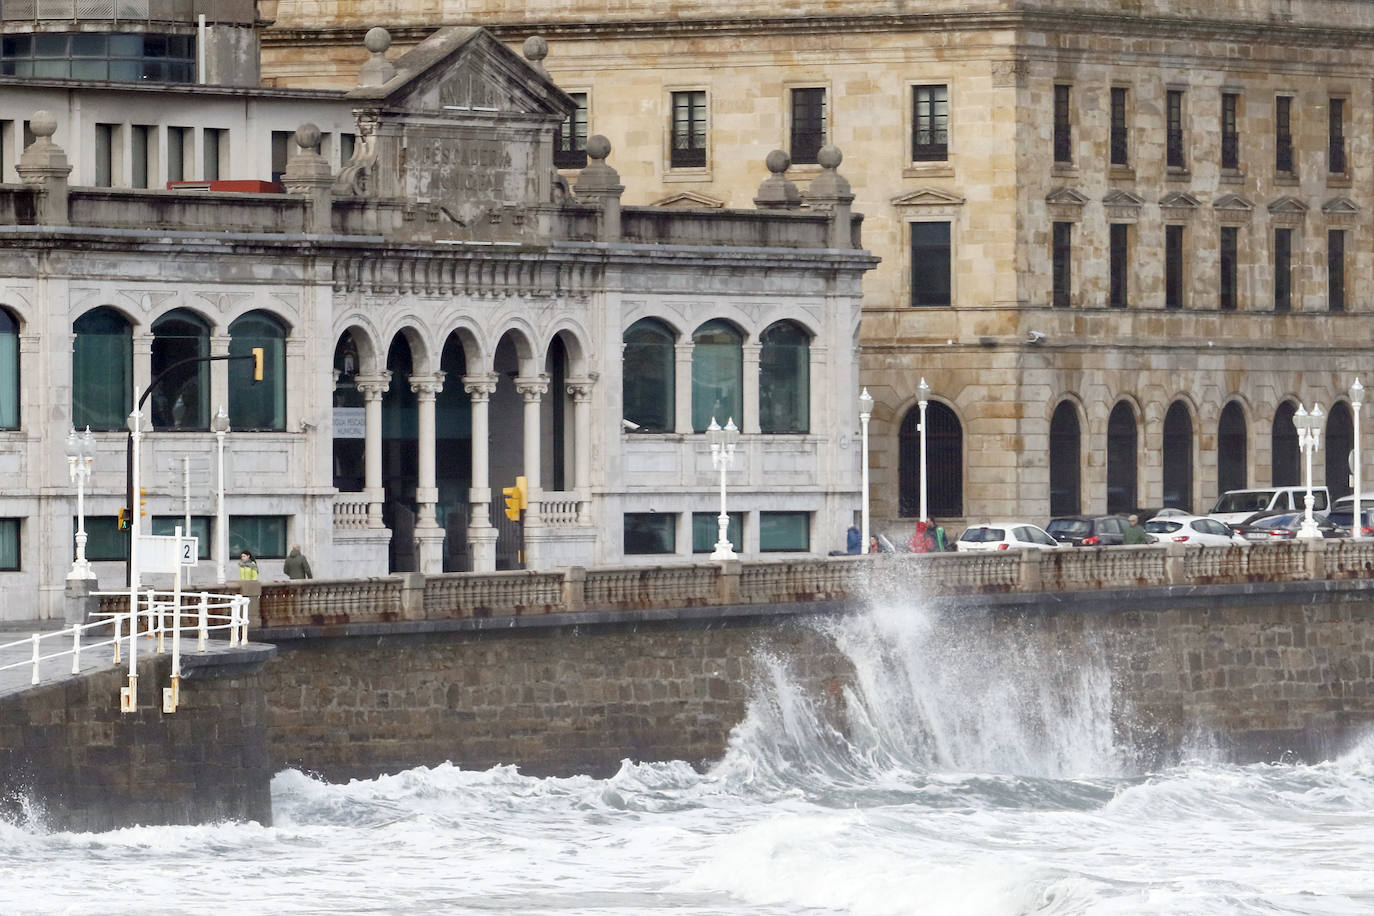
column 220, row 424
column 923, row 391
column 865, row 411
column 722, row 456
column 1356, row 398
column 1309, row 438
column 80, row 457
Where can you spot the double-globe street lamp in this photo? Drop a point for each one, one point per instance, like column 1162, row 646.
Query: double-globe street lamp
column 220, row 425
column 723, row 441
column 923, row 393
column 865, row 412
column 80, row 457
column 1309, row 426
column 1356, row 399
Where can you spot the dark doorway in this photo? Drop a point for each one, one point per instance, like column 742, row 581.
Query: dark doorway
column 1284, row 448
column 1339, row 441
column 453, row 456
column 1232, row 449
column 1065, row 456
column 400, row 465
column 350, row 419
column 944, row 463
column 1121, row 459
column 1178, row 457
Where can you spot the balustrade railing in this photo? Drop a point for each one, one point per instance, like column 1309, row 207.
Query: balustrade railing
column 558, row 510
column 350, row 515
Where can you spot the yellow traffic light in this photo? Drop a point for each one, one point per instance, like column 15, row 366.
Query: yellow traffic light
column 257, row 364
column 517, row 498
column 123, row 519
column 142, row 502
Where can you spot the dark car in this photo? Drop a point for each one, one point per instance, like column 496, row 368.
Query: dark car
column 1088, row 530
column 1344, row 517
column 1260, row 527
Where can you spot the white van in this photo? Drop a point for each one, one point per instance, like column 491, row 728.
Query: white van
column 1235, row 506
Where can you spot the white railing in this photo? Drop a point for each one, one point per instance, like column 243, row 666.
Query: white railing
column 350, row 516
column 158, row 615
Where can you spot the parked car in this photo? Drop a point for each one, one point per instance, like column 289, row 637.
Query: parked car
column 1192, row 529
column 1004, row 536
column 1087, row 530
column 1261, row 527
column 1342, row 514
column 1238, row 505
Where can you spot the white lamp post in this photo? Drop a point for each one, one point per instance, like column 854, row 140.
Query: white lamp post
column 923, row 391
column 1356, row 398
column 722, row 456
column 1309, row 438
column 220, row 425
column 80, row 457
column 865, row 411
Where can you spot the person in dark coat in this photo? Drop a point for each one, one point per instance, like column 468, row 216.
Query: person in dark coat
column 1134, row 534
column 853, row 540
column 296, row 565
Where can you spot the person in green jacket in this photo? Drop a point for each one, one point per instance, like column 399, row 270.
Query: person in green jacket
column 1134, row 534
column 296, row 565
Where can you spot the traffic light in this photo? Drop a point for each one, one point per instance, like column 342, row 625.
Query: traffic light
column 123, row 519
column 142, row 502
column 517, row 498
column 257, row 364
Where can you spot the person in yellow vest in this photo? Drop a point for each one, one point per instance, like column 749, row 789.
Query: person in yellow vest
column 248, row 567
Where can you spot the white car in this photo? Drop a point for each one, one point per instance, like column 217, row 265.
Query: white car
column 1192, row 529
column 1004, row 536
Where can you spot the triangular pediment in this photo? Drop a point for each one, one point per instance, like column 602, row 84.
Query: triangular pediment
column 1340, row 206
column 1288, row 205
column 1121, row 199
column 927, row 197
column 688, row 200
column 1233, row 202
column 460, row 70
column 1066, row 196
column 1179, row 200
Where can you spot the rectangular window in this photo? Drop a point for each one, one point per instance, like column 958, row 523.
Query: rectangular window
column 282, row 142
column 6, row 139
column 1173, row 267
column 1230, row 132
column 1283, row 134
column 215, row 149
column 706, row 530
column 1335, row 157
column 1228, row 287
column 260, row 535
column 1118, row 261
column 106, row 136
column 650, row 532
column 201, row 526
column 570, row 142
column 139, row 150
column 808, row 124
column 930, row 123
column 1063, row 129
column 9, row 543
column 347, row 142
column 930, row 264
column 784, row 531
column 179, row 141
column 1335, row 270
column 104, row 540
column 1063, row 264
column 689, row 130
column 1173, row 132
column 1283, row 270
column 1119, row 149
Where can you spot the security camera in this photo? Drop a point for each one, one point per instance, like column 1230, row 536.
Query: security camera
column 1035, row 337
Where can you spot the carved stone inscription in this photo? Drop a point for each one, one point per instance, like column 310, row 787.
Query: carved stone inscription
column 450, row 168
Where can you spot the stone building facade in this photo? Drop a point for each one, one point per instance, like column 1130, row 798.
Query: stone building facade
column 1121, row 242
column 439, row 316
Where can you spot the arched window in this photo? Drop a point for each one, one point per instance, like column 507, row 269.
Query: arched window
column 1121, row 459
column 181, row 399
column 1338, row 440
column 1178, row 457
column 784, row 379
column 1065, row 453
column 717, row 375
column 257, row 405
column 9, row 370
column 649, row 376
column 102, row 370
column 1283, row 448
column 944, row 463
column 1232, row 449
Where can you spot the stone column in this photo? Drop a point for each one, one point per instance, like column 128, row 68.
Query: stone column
column 682, row 395
column 373, row 387
column 749, row 423
column 143, row 370
column 599, row 184
column 532, row 389
column 219, row 374
column 831, row 191
column 580, row 392
column 308, row 174
column 481, row 534
column 44, row 167
column 429, row 537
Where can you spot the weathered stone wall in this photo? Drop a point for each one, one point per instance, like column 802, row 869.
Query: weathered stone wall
column 78, row 763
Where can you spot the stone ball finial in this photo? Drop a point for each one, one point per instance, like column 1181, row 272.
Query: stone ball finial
column 377, row 40
column 598, row 147
column 42, row 124
column 830, row 156
column 778, row 162
column 308, row 136
column 535, row 49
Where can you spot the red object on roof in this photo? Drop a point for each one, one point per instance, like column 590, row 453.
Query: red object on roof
column 236, row 186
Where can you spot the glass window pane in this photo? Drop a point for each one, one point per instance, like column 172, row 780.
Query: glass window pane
column 784, row 379
column 782, row 531
column 930, row 264
column 649, row 376
column 180, row 399
column 102, row 370
column 650, row 532
column 104, row 540
column 9, row 543
column 257, row 405
column 706, row 531
column 9, row 371
column 201, row 527
column 717, row 376
column 260, row 535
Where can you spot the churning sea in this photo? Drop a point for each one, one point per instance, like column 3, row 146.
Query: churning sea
column 957, row 787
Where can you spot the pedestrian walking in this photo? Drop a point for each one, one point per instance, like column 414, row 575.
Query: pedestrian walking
column 296, row 565
column 248, row 567
column 1134, row 534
